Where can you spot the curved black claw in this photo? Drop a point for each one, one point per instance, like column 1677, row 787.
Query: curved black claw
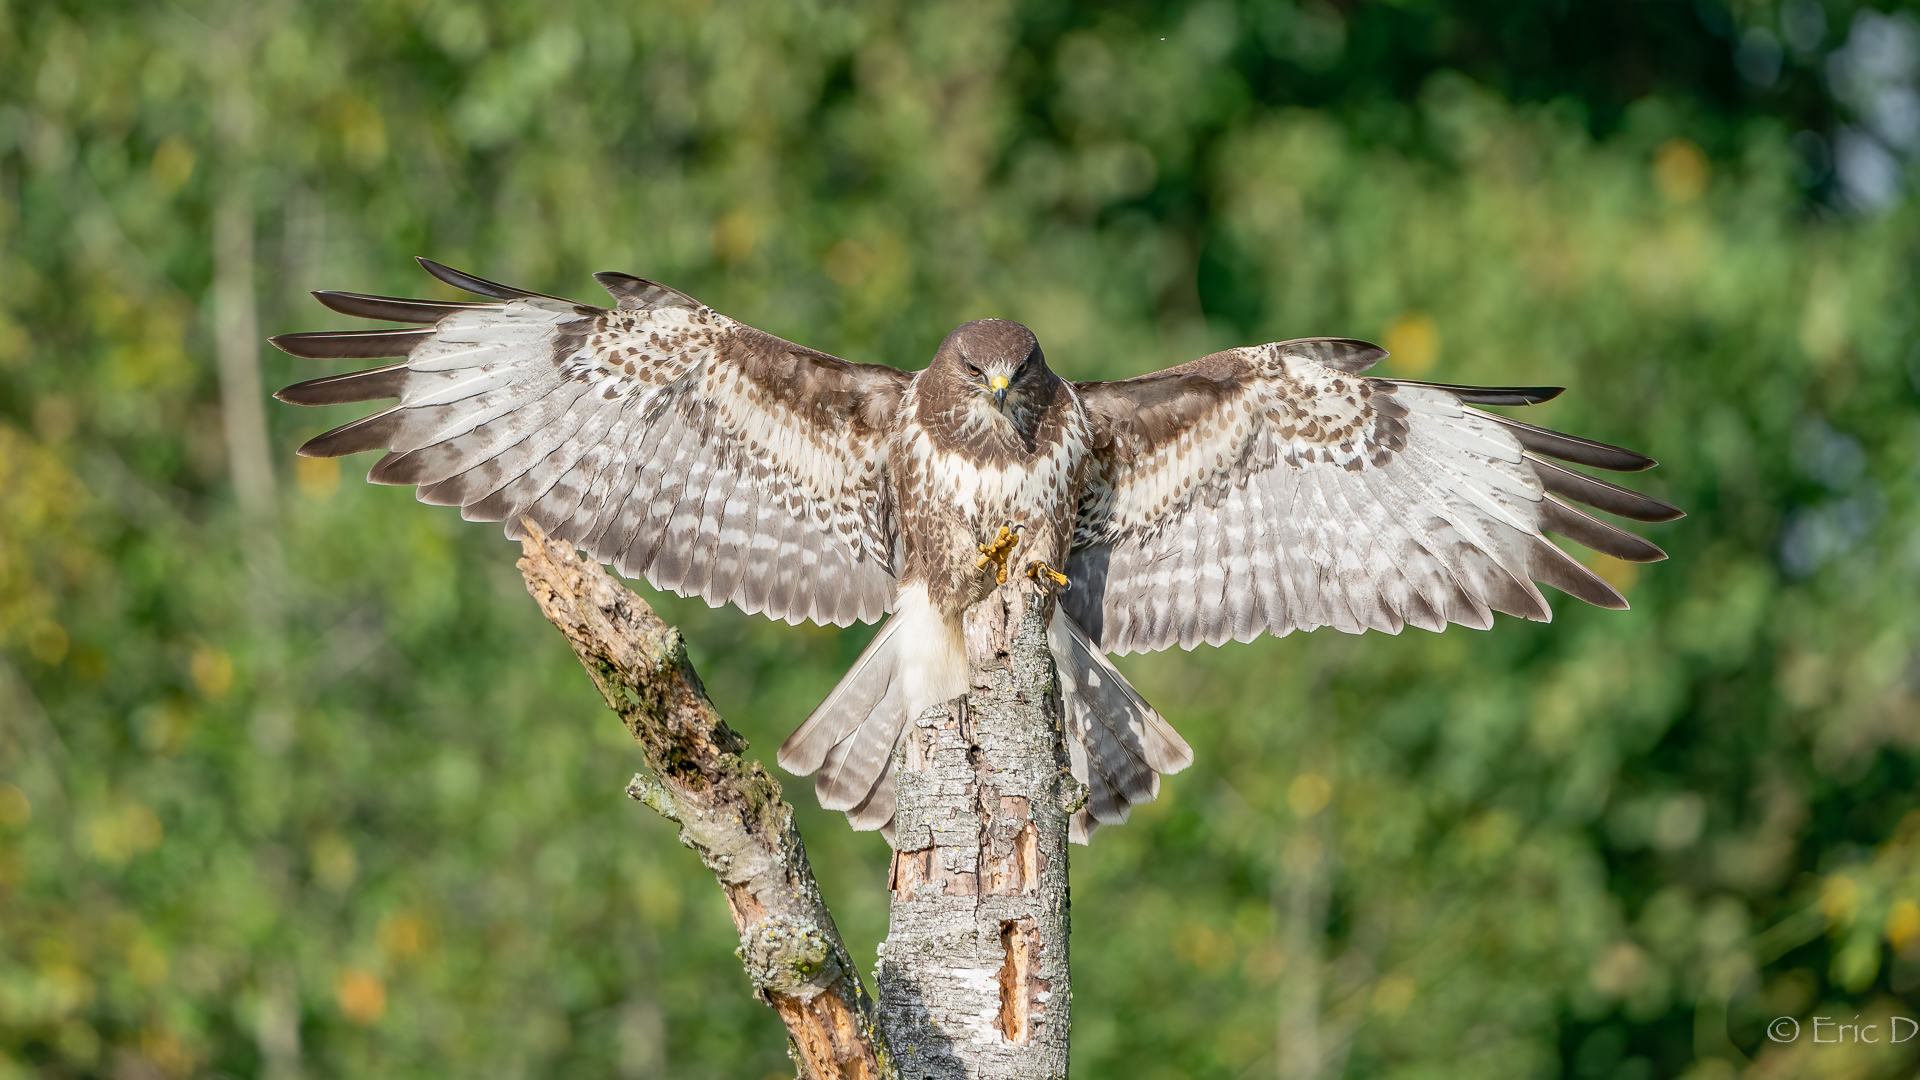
column 1047, row 577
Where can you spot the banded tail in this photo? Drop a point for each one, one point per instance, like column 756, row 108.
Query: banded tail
column 1117, row 744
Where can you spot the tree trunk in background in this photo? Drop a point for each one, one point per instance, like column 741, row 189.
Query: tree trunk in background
column 236, row 322
column 1303, row 913
column 973, row 978
column 1317, row 991
column 237, row 349
column 237, row 343
column 236, row 328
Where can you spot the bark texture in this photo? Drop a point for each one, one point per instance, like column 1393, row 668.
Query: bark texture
column 730, row 811
column 973, row 977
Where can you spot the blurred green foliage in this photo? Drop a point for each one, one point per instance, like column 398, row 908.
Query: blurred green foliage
column 315, row 791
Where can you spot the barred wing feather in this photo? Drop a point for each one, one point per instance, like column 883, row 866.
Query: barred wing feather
column 1276, row 488
column 662, row 437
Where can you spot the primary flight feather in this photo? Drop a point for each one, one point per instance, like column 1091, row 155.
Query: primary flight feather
column 1264, row 489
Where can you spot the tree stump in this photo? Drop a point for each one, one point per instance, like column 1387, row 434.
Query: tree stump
column 973, row 977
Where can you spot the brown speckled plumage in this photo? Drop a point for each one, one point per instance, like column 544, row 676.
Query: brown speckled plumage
column 1264, row 489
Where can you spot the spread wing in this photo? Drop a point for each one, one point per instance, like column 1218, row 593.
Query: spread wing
column 659, row 435
column 1275, row 488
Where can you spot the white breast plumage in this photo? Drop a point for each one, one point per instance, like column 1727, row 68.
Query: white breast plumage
column 986, row 489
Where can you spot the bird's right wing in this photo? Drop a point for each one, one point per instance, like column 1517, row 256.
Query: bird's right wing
column 659, row 436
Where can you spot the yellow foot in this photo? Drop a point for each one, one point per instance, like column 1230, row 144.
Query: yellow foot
column 1045, row 576
column 997, row 552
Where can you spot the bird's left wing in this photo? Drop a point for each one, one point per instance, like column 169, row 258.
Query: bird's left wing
column 1276, row 488
column 659, row 435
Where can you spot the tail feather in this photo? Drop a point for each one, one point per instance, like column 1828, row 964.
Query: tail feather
column 854, row 767
column 876, row 811
column 860, row 690
column 915, row 662
column 1117, row 744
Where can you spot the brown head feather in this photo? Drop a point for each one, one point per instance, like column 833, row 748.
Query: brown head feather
column 987, row 366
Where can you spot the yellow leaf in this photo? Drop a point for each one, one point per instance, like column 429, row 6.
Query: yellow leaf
column 1309, row 794
column 15, row 809
column 1903, row 924
column 1413, row 339
column 47, row 641
column 1680, row 170
column 1392, row 994
column 318, row 477
column 361, row 995
column 1839, row 898
column 402, row 936
column 334, row 862
column 212, row 671
column 1616, row 572
column 172, row 164
column 733, row 236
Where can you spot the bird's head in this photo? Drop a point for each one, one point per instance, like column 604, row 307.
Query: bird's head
column 997, row 361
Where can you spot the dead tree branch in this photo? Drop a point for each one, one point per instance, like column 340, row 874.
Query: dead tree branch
column 730, row 810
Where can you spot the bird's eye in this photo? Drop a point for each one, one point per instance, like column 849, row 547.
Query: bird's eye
column 973, row 371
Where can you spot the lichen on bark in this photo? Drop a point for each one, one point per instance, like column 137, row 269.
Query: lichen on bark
column 973, row 979
column 730, row 811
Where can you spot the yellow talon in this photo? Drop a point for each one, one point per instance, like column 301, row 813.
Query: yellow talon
column 998, row 551
column 1044, row 575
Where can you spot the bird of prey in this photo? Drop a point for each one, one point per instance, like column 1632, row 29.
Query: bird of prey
column 1263, row 489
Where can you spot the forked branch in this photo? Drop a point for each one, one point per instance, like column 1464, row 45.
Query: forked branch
column 730, row 810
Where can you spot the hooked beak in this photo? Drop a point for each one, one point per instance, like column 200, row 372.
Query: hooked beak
column 998, row 384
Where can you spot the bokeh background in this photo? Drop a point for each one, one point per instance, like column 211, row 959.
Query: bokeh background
column 295, row 781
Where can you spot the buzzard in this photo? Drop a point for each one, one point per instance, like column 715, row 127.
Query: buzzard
column 1263, row 489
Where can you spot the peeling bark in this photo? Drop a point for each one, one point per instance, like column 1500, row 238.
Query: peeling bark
column 1021, row 990
column 973, row 977
column 730, row 811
